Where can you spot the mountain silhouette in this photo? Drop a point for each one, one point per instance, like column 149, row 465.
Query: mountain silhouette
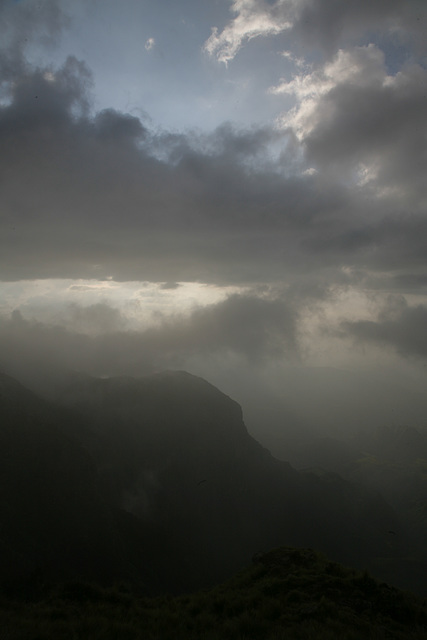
column 157, row 480
column 53, row 518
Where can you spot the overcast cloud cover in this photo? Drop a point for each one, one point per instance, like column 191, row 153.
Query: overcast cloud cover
column 259, row 167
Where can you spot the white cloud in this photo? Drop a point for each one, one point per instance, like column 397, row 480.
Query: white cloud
column 299, row 62
column 320, row 25
column 254, row 18
column 359, row 122
column 361, row 66
column 150, row 44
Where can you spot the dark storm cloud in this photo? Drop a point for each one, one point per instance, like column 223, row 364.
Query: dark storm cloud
column 23, row 24
column 103, row 196
column 110, row 124
column 322, row 25
column 253, row 326
column 372, row 118
column 411, row 281
column 95, row 341
column 97, row 195
column 397, row 242
column 95, row 319
column 399, row 326
column 329, row 23
column 98, row 201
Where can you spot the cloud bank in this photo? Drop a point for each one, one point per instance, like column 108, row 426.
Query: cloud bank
column 398, row 326
column 323, row 24
column 96, row 340
column 105, row 196
column 330, row 197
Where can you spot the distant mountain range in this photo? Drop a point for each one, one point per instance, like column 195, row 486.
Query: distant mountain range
column 156, row 481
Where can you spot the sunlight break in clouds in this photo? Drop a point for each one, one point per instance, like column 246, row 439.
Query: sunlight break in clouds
column 140, row 215
column 78, row 304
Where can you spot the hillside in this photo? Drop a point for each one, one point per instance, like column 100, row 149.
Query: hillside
column 391, row 460
column 286, row 594
column 156, row 481
column 53, row 518
column 178, row 458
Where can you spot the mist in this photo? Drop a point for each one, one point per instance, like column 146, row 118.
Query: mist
column 254, row 347
column 213, row 303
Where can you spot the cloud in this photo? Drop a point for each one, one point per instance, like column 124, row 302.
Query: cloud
column 340, row 184
column 353, row 116
column 253, row 326
column 81, row 287
column 106, row 197
column 398, row 326
column 362, row 67
column 328, row 24
column 318, row 24
column 95, row 319
column 150, row 43
column 254, row 18
column 95, row 340
column 25, row 24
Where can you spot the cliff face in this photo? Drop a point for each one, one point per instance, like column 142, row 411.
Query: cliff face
column 53, row 519
column 157, row 479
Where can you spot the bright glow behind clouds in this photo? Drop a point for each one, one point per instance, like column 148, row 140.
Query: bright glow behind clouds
column 140, row 304
column 294, row 175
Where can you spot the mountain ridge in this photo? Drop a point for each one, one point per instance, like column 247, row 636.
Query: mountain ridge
column 187, row 493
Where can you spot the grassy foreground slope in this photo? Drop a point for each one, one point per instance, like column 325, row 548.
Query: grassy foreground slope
column 286, row 594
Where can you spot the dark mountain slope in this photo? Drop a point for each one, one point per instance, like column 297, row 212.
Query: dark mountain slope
column 178, row 459
column 157, row 480
column 52, row 518
column 392, row 461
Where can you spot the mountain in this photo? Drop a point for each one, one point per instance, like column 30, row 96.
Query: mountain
column 53, row 518
column 156, row 480
column 391, row 460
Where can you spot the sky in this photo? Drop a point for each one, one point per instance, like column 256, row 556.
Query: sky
column 216, row 185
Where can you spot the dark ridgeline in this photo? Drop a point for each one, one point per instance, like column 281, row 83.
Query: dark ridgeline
column 53, row 518
column 157, row 481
